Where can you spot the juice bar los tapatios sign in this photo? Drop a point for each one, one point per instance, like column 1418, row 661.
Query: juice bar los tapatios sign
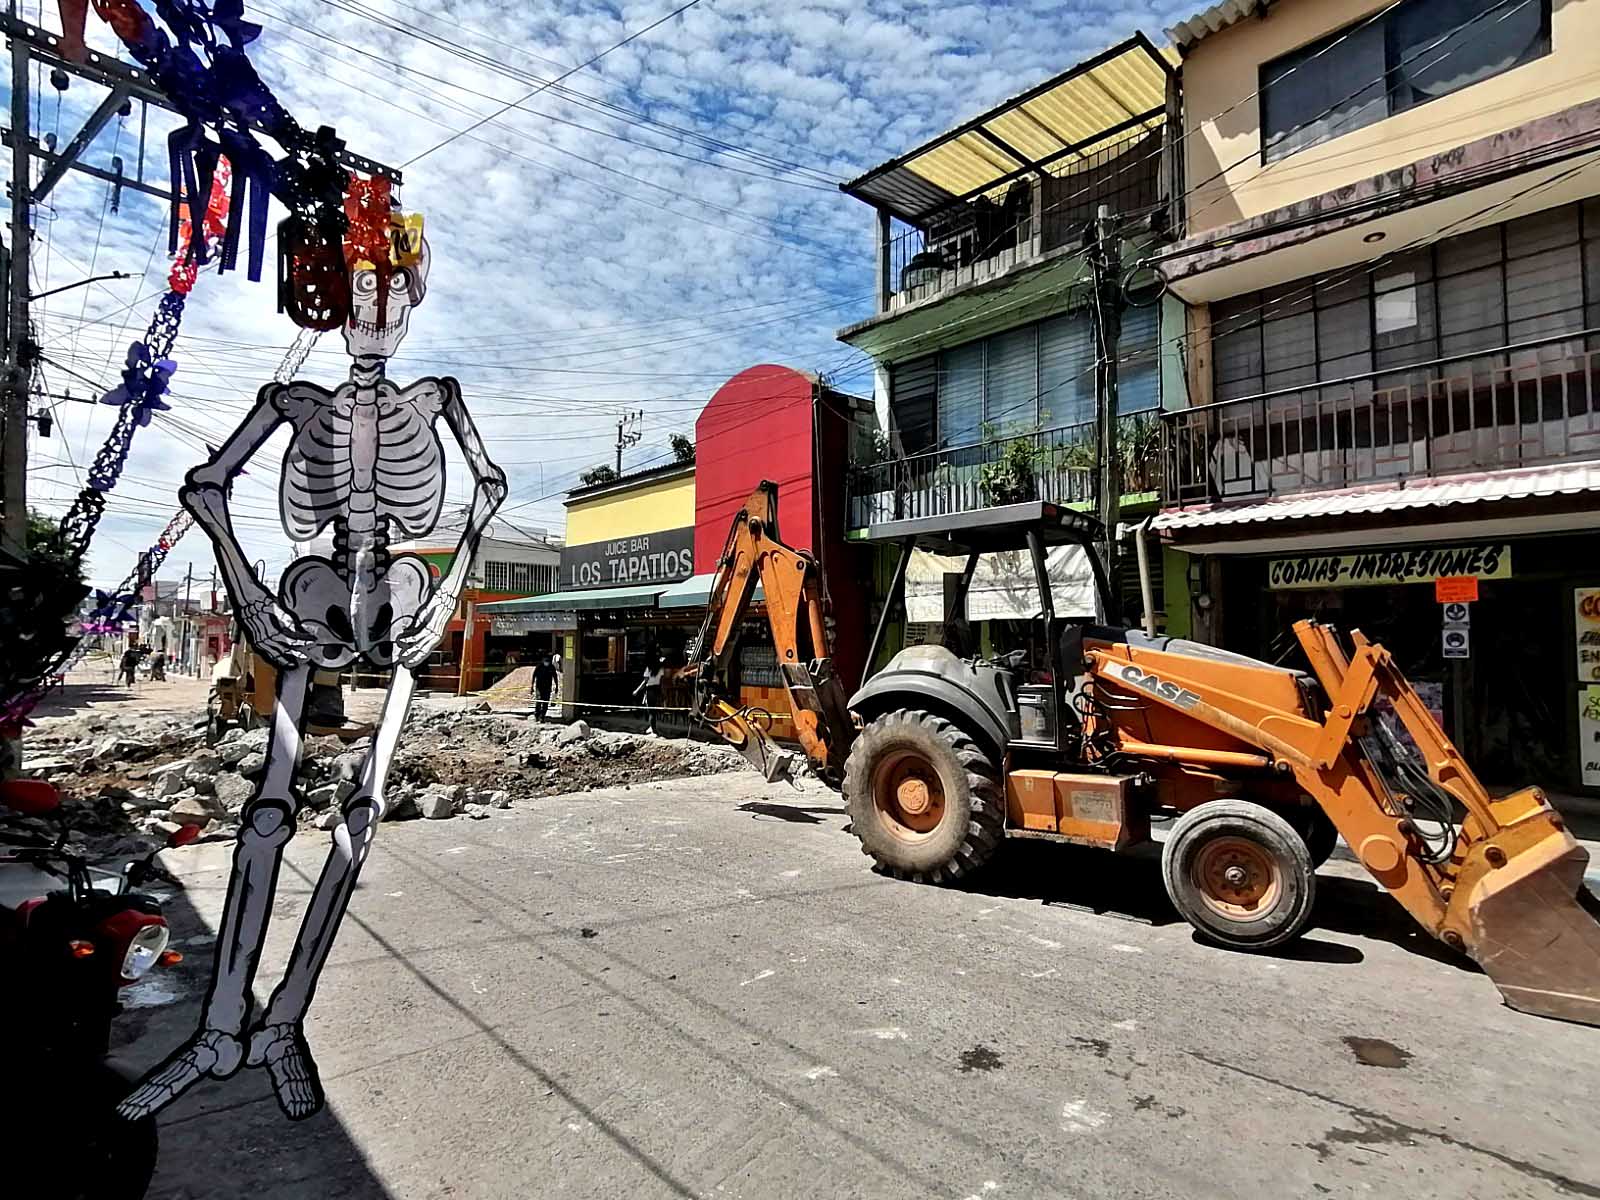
column 1371, row 568
column 665, row 556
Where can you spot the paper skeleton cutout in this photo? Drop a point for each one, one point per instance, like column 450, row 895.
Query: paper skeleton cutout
column 365, row 459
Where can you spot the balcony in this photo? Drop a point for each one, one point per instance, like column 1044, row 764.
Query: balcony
column 1513, row 406
column 983, row 238
column 1059, row 466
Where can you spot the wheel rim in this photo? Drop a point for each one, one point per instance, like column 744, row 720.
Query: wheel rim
column 908, row 795
column 1236, row 878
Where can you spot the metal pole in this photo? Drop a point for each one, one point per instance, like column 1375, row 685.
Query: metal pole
column 896, row 593
column 1147, row 591
column 885, row 282
column 18, row 346
column 619, row 447
column 1105, row 260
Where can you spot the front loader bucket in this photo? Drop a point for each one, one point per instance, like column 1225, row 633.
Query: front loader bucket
column 1535, row 933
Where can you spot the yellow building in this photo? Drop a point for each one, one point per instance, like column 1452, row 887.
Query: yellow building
column 1389, row 250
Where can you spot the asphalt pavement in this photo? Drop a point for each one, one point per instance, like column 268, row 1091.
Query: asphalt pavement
column 699, row 988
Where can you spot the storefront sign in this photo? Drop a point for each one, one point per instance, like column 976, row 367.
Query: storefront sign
column 1589, row 734
column 1586, row 606
column 1376, row 567
column 665, row 556
column 515, row 624
column 1451, row 590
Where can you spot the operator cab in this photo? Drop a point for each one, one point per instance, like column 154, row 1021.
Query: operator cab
column 1034, row 687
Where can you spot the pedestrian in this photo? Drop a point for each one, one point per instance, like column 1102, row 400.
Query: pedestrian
column 158, row 666
column 129, row 664
column 650, row 689
column 544, row 679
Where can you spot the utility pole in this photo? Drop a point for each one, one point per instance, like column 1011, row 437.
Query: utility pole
column 1105, row 263
column 16, row 375
column 188, row 616
column 628, row 434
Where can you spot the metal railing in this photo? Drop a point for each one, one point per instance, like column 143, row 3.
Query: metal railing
column 978, row 238
column 1535, row 402
column 1058, row 466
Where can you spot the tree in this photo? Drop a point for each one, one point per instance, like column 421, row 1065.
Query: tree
column 602, row 473
column 682, row 448
column 47, row 555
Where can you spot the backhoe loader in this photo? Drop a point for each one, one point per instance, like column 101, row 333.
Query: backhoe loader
column 940, row 758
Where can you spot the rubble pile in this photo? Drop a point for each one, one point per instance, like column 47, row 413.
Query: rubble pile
column 130, row 784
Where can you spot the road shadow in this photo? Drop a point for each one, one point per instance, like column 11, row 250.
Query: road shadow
column 1361, row 908
column 799, row 814
column 1123, row 886
column 228, row 1138
column 1303, row 949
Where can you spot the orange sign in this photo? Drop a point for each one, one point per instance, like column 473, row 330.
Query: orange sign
column 1455, row 589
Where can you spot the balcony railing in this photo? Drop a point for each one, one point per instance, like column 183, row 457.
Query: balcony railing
column 1535, row 402
column 1059, row 466
column 982, row 237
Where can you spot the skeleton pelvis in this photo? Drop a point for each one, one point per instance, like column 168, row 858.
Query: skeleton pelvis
column 360, row 617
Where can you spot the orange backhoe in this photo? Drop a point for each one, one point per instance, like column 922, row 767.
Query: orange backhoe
column 940, row 758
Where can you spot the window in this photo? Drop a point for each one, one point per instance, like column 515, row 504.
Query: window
column 1415, row 52
column 1524, row 280
column 1036, row 377
column 528, row 578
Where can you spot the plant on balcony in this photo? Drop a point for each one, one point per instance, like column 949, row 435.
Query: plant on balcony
column 1011, row 475
column 1140, row 443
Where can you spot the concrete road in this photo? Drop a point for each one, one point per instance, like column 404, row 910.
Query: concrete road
column 700, row 989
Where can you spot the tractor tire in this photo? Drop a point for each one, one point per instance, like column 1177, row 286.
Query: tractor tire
column 925, row 801
column 1318, row 833
column 1240, row 874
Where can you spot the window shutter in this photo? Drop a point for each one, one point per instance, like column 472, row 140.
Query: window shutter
column 913, row 389
column 1066, row 371
column 1011, row 391
column 1139, row 352
column 961, row 395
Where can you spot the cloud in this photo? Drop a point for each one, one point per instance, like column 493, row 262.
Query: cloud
column 588, row 259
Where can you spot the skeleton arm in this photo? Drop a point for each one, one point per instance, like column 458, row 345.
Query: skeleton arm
column 488, row 493
column 205, row 495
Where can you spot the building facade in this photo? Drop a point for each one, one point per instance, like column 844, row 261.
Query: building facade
column 1389, row 259
column 991, row 341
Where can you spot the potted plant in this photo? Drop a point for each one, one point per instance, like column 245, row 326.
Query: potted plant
column 1011, row 476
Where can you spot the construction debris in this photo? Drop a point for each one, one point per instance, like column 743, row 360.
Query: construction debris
column 135, row 784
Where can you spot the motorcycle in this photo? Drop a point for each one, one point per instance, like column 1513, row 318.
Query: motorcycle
column 65, row 956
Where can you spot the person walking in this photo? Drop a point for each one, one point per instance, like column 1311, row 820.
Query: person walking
column 544, row 680
column 128, row 666
column 650, row 690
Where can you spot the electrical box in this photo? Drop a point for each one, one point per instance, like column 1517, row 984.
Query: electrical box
column 1094, row 810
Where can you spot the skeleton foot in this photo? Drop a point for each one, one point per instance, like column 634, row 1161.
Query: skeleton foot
column 287, row 1057
column 211, row 1052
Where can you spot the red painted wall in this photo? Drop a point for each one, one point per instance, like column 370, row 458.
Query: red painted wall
column 771, row 422
column 757, row 426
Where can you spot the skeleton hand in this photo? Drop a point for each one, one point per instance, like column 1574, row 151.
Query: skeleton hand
column 427, row 628
column 271, row 632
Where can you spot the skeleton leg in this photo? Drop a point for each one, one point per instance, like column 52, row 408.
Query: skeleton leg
column 280, row 1040
column 267, row 822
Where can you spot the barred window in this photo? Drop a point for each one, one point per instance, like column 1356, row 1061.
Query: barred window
column 530, row 578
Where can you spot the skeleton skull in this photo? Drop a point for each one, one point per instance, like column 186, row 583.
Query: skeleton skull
column 364, row 335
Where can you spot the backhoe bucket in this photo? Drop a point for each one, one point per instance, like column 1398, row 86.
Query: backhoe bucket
column 1535, row 933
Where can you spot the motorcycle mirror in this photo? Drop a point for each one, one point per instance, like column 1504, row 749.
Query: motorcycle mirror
column 30, row 797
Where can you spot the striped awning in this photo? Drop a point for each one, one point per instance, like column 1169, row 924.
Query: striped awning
column 1050, row 128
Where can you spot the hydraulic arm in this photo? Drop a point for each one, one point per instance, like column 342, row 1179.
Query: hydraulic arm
column 792, row 586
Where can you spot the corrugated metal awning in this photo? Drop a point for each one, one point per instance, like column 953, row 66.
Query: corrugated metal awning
column 1560, row 479
column 1213, row 20
column 1049, row 128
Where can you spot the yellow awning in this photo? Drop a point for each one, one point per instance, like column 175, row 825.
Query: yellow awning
column 1050, row 128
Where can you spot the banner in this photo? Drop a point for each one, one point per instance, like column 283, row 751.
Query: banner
column 1586, row 609
column 1374, row 568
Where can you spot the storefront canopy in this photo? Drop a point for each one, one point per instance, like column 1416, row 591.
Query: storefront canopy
column 638, row 596
column 693, row 593
column 1050, row 128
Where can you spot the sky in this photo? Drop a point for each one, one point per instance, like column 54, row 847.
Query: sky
column 626, row 239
